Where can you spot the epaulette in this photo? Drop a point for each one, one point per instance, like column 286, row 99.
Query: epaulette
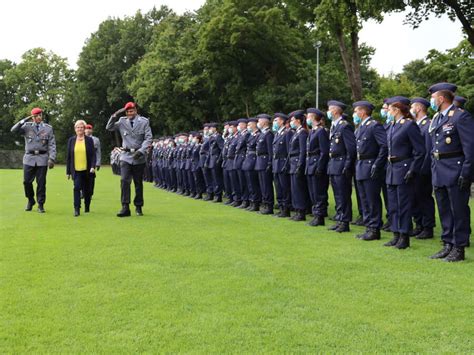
column 47, row 125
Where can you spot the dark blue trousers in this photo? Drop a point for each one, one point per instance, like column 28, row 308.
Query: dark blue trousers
column 400, row 202
column 217, row 180
column 266, row 186
column 299, row 192
column 424, row 206
column 227, row 184
column 371, row 203
column 243, row 185
column 342, row 188
column 455, row 215
column 283, row 189
column 255, row 194
column 199, row 181
column 235, row 183
column 318, row 193
column 207, row 173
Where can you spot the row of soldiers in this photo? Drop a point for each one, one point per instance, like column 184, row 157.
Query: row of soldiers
column 297, row 156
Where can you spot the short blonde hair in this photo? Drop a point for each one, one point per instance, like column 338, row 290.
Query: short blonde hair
column 78, row 122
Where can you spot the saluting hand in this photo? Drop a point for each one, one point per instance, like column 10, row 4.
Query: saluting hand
column 119, row 112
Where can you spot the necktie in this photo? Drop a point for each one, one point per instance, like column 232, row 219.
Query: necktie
column 131, row 123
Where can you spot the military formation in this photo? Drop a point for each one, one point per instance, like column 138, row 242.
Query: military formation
column 291, row 160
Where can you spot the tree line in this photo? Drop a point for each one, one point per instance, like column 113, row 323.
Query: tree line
column 228, row 59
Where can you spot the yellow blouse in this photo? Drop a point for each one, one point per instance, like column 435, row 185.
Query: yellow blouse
column 80, row 159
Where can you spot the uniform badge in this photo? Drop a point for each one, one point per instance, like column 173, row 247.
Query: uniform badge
column 402, row 121
column 424, row 122
column 451, row 113
column 448, row 140
column 337, row 140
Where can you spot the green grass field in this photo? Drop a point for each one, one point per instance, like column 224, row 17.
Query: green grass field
column 193, row 276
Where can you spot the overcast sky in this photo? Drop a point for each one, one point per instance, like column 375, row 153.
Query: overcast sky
column 62, row 26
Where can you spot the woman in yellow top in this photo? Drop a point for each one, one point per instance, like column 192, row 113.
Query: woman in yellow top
column 80, row 164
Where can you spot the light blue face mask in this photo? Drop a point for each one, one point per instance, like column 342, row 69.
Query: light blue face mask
column 293, row 125
column 309, row 122
column 275, row 127
column 390, row 118
column 433, row 104
column 249, row 129
column 383, row 113
column 329, row 114
column 357, row 120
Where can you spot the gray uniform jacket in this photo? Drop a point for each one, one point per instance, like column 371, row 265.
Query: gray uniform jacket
column 40, row 144
column 97, row 150
column 134, row 139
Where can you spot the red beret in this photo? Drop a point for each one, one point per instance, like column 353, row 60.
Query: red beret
column 129, row 105
column 88, row 126
column 36, row 111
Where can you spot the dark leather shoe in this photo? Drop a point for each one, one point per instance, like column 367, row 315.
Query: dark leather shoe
column 86, row 209
column 361, row 235
column 198, row 197
column 299, row 216
column 41, row 208
column 236, row 203
column 316, row 221
column 266, row 210
column 372, row 234
column 29, row 205
column 333, row 218
column 427, row 233
column 394, row 241
column 343, row 227
column 138, row 211
column 456, row 254
column 387, row 226
column 358, row 221
column 229, row 202
column 416, row 231
column 334, row 226
column 443, row 252
column 244, row 205
column 124, row 212
column 403, row 241
column 76, row 212
column 284, row 213
column 255, row 207
column 209, row 197
column 218, row 199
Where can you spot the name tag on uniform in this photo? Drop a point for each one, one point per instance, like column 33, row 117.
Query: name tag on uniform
column 448, row 127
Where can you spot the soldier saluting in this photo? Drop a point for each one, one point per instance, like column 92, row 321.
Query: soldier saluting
column 136, row 138
column 40, row 153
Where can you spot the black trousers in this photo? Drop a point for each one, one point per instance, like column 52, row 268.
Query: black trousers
column 29, row 174
column 82, row 182
column 127, row 173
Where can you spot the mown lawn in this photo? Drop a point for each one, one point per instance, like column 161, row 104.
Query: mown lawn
column 193, row 276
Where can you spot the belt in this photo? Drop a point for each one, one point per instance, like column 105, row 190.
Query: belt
column 230, row 156
column 294, row 155
column 36, row 152
column 334, row 155
column 280, row 156
column 394, row 159
column 439, row 156
column 261, row 154
column 365, row 156
column 131, row 150
column 313, row 154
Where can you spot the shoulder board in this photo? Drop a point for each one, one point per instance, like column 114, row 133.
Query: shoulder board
column 451, row 113
column 144, row 118
column 343, row 122
column 47, row 125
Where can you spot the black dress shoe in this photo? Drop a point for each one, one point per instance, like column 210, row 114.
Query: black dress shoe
column 403, row 241
column 372, row 234
column 244, row 205
column 418, row 229
column 266, row 210
column 255, row 207
column 283, row 213
column 138, row 210
column 387, row 227
column 334, row 226
column 198, row 197
column 443, row 252
column 313, row 222
column 358, row 221
column 86, row 209
column 29, row 205
column 41, row 208
column 76, row 212
column 427, row 233
column 394, row 241
column 124, row 212
column 362, row 235
column 299, row 216
column 218, row 199
column 236, row 204
column 229, row 202
column 456, row 254
column 343, row 227
column 319, row 221
column 209, row 197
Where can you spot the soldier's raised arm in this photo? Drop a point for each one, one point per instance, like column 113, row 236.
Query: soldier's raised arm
column 19, row 125
column 112, row 124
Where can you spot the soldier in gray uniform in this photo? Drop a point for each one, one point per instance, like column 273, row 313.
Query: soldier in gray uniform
column 136, row 138
column 88, row 132
column 40, row 153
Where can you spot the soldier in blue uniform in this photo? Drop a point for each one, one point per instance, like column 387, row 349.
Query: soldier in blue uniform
column 240, row 151
column 263, row 165
column 204, row 156
column 196, row 167
column 371, row 141
column 452, row 132
column 225, row 172
column 342, row 153
column 424, row 207
column 216, row 143
column 297, row 161
column 317, row 157
column 459, row 101
column 248, row 166
column 387, row 227
column 406, row 151
column 234, row 178
column 281, row 164
column 40, row 153
column 189, row 161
